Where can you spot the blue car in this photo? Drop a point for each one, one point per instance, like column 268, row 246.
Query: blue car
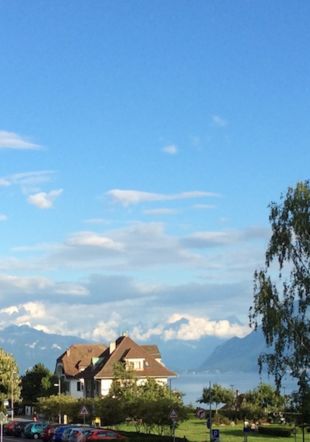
column 34, row 430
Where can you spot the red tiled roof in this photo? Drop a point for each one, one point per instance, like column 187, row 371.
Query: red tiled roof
column 153, row 350
column 126, row 349
column 77, row 357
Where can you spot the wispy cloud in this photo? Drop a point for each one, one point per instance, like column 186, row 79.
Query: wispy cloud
column 218, row 121
column 44, row 200
column 223, row 238
column 133, row 197
column 28, row 181
column 170, row 149
column 11, row 140
column 3, row 217
column 160, row 211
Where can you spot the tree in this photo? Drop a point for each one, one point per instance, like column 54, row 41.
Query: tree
column 265, row 397
column 37, row 382
column 9, row 378
column 124, row 384
column 282, row 288
column 217, row 394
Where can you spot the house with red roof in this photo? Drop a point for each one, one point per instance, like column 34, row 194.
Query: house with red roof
column 71, row 364
column 96, row 378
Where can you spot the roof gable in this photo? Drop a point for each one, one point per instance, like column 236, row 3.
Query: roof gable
column 78, row 356
column 126, row 349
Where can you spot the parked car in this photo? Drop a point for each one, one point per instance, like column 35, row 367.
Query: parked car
column 48, row 432
column 34, row 430
column 57, row 436
column 18, row 430
column 80, row 434
column 9, row 427
column 62, row 432
column 66, row 434
column 104, row 434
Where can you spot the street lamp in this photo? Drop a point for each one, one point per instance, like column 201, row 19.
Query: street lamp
column 12, row 394
column 59, row 393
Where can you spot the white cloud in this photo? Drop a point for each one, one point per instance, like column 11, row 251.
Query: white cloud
column 3, row 217
column 107, row 330
column 218, row 121
column 170, row 149
column 11, row 140
column 132, row 197
column 160, row 211
column 9, row 310
column 90, row 239
column 44, row 200
column 187, row 327
column 197, row 327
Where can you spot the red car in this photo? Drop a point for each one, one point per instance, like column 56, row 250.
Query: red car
column 48, row 432
column 9, row 427
column 105, row 434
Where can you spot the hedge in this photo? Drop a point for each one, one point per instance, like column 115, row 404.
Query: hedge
column 275, row 431
column 143, row 437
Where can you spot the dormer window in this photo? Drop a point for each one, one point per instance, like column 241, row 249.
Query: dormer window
column 135, row 364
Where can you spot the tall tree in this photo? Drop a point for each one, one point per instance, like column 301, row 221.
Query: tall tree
column 9, row 378
column 282, row 288
column 38, row 382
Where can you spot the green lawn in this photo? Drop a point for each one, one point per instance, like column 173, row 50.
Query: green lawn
column 195, row 431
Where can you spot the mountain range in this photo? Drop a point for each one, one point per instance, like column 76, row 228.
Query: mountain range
column 30, row 346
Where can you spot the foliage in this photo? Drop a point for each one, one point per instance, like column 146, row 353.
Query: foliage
column 217, row 394
column 51, row 406
column 266, row 398
column 124, row 384
column 153, row 415
column 282, row 297
column 37, row 382
column 9, row 377
column 112, row 411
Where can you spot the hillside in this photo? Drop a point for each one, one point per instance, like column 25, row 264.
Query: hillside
column 236, row 354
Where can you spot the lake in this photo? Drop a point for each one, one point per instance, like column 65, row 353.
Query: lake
column 192, row 384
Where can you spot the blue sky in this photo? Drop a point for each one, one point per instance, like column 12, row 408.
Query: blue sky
column 140, row 145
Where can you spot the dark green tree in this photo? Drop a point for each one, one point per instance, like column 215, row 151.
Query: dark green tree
column 38, row 382
column 282, row 288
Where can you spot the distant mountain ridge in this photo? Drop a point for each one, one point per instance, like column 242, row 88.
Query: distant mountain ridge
column 237, row 354
column 30, row 346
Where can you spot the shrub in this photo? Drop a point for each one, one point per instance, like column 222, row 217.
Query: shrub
column 275, row 431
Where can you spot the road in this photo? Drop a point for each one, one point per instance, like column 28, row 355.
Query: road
column 15, row 439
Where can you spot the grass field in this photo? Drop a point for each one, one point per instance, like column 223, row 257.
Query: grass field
column 196, row 431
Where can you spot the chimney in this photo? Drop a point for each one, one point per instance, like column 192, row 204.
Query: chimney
column 112, row 347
